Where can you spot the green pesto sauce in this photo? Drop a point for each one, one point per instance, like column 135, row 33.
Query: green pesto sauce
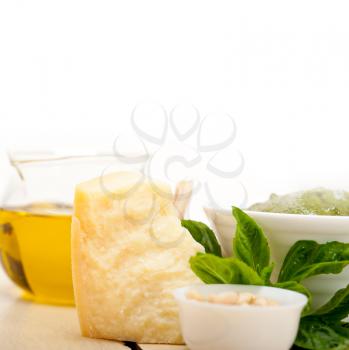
column 318, row 201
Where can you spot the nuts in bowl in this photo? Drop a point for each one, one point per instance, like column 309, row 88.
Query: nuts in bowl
column 227, row 317
column 231, row 298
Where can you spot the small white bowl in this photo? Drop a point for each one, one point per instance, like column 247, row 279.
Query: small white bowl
column 282, row 231
column 207, row 326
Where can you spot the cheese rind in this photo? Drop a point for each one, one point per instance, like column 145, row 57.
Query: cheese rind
column 129, row 252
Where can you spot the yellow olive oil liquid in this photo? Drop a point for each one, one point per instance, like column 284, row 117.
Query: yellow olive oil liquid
column 35, row 251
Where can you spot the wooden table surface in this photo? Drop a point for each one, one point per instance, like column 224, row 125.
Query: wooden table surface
column 30, row 326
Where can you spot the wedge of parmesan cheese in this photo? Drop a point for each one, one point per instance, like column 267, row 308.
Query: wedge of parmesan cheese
column 129, row 252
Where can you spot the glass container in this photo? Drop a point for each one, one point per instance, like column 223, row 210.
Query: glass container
column 35, row 218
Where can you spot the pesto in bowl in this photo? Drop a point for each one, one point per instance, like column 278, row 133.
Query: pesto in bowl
column 318, row 201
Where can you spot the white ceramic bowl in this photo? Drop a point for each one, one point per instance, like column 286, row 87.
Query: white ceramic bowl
column 283, row 230
column 207, row 326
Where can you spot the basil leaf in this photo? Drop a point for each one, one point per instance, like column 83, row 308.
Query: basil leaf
column 315, row 333
column 297, row 287
column 337, row 308
column 244, row 273
column 266, row 273
column 308, row 258
column 212, row 269
column 203, row 235
column 249, row 244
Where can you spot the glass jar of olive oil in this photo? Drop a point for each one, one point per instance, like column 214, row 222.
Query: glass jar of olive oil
column 35, row 218
column 35, row 250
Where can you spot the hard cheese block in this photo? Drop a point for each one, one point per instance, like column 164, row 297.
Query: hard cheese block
column 129, row 252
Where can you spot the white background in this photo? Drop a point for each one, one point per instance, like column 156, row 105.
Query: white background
column 72, row 71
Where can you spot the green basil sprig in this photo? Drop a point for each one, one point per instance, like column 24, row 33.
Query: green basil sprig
column 337, row 308
column 203, row 235
column 308, row 258
column 212, row 269
column 319, row 334
column 250, row 244
column 322, row 329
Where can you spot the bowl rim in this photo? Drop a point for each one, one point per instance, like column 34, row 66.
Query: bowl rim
column 179, row 295
column 309, row 217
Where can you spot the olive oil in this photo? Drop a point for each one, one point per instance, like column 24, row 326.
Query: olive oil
column 35, row 251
